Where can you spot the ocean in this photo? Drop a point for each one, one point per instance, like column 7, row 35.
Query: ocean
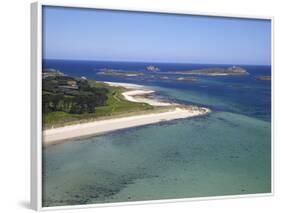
column 227, row 152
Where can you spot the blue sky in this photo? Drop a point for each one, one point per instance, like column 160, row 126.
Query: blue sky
column 88, row 34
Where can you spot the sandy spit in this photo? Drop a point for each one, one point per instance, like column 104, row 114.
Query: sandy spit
column 135, row 94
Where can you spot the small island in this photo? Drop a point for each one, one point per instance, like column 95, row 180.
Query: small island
column 216, row 71
column 152, row 68
column 75, row 107
column 116, row 72
column 263, row 78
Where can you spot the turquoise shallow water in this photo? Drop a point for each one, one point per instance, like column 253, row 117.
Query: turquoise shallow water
column 219, row 154
column 227, row 152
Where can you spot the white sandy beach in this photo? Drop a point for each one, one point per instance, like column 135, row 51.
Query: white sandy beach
column 137, row 94
column 134, row 96
column 51, row 136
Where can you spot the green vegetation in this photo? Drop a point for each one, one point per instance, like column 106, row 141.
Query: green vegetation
column 68, row 100
column 216, row 71
column 70, row 95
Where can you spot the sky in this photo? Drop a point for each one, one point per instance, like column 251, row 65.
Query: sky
column 90, row 34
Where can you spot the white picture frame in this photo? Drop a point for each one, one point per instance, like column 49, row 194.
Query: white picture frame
column 36, row 106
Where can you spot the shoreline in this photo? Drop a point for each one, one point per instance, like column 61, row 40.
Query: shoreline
column 135, row 93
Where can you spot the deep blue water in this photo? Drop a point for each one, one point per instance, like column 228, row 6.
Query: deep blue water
column 227, row 152
column 243, row 94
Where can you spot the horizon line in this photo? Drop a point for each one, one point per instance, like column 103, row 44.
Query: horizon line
column 69, row 59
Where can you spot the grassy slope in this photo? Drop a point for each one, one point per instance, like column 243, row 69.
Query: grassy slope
column 116, row 105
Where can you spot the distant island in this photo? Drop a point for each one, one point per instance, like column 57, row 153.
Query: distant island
column 216, row 71
column 263, row 78
column 116, row 72
column 152, row 68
